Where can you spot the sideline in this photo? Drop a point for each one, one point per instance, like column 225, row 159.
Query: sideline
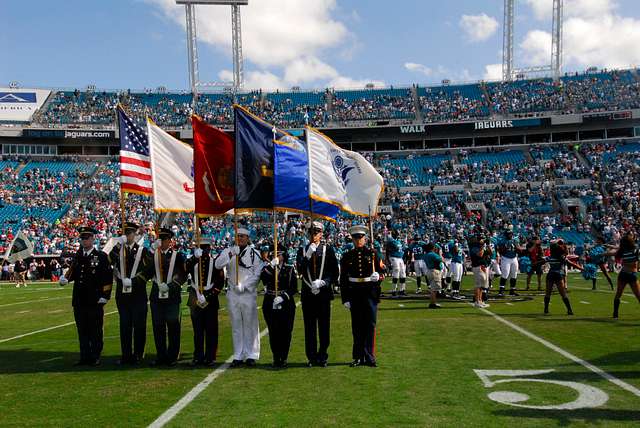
column 34, row 301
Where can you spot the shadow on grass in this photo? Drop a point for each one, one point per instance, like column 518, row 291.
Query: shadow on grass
column 25, row 360
column 567, row 417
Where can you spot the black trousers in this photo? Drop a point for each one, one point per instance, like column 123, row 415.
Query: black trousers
column 205, row 333
column 317, row 325
column 89, row 320
column 280, row 325
column 364, row 312
column 165, row 317
column 133, row 325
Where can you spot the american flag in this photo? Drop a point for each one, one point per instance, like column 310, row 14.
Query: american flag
column 135, row 165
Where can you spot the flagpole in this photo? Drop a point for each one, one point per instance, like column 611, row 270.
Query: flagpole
column 275, row 250
column 123, row 196
column 235, row 227
column 197, row 239
column 373, row 248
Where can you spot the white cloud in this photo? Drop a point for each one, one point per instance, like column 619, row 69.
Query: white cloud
column 478, row 27
column 493, row 72
column 537, row 45
column 279, row 37
column 594, row 34
column 418, row 68
column 343, row 82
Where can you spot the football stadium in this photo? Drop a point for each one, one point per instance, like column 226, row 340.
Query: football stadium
column 445, row 254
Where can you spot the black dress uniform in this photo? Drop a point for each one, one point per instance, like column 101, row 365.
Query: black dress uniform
column 132, row 302
column 205, row 319
column 363, row 294
column 279, row 320
column 165, row 307
column 93, row 279
column 316, row 308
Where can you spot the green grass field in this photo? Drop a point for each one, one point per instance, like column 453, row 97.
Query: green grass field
column 426, row 374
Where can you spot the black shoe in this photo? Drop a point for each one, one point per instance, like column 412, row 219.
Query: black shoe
column 310, row 364
column 322, row 364
column 172, row 363
column 355, row 363
column 371, row 364
column 236, row 363
column 209, row 363
column 393, row 294
column 123, row 361
column 96, row 362
column 434, row 306
column 194, row 363
column 513, row 293
column 569, row 312
column 284, row 364
column 135, row 361
column 250, row 362
column 80, row 363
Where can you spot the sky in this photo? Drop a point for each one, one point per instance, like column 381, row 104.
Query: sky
column 140, row 44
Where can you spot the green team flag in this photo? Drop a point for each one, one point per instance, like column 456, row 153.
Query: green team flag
column 20, row 248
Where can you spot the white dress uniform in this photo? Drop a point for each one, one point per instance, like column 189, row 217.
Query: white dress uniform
column 242, row 301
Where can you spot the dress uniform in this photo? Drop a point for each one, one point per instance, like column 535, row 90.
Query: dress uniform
column 244, row 266
column 279, row 307
column 207, row 282
column 93, row 279
column 131, row 262
column 318, row 267
column 169, row 274
column 360, row 290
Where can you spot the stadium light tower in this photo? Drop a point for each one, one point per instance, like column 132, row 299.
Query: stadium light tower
column 192, row 38
column 555, row 67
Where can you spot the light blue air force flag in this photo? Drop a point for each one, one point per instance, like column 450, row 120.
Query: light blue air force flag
column 342, row 177
column 291, row 179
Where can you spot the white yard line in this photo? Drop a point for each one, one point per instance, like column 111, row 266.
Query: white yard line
column 584, row 302
column 45, row 329
column 627, row 387
column 171, row 413
column 42, row 299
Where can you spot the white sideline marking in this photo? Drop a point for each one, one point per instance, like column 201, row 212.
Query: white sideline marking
column 42, row 299
column 45, row 329
column 509, row 303
column 584, row 303
column 24, row 312
column 624, row 301
column 172, row 411
column 630, row 388
column 56, row 311
column 401, row 305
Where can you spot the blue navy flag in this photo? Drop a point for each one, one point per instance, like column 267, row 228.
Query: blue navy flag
column 291, row 180
column 254, row 160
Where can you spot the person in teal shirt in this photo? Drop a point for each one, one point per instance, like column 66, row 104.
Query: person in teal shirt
column 435, row 265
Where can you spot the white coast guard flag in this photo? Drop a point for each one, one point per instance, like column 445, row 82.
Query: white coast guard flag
column 171, row 171
column 342, row 177
column 20, row 248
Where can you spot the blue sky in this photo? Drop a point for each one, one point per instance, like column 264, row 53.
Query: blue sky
column 313, row 44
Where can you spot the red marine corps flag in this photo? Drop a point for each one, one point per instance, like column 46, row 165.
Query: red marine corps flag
column 213, row 169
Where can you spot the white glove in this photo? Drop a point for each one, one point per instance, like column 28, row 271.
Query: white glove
column 63, row 281
column 122, row 240
column 197, row 253
column 277, row 302
column 102, row 301
column 239, row 288
column 163, row 288
column 375, row 277
column 318, row 283
column 347, row 305
column 234, row 251
column 312, row 249
column 156, row 244
column 201, row 299
column 315, row 290
column 126, row 282
column 275, row 262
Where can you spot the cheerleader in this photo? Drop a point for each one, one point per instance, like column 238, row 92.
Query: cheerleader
column 557, row 262
column 597, row 256
column 629, row 255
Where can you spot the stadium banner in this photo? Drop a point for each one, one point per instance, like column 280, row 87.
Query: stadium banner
column 20, row 248
column 342, row 177
column 171, row 171
column 213, row 163
column 19, row 105
column 481, row 125
column 101, row 135
column 42, row 133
